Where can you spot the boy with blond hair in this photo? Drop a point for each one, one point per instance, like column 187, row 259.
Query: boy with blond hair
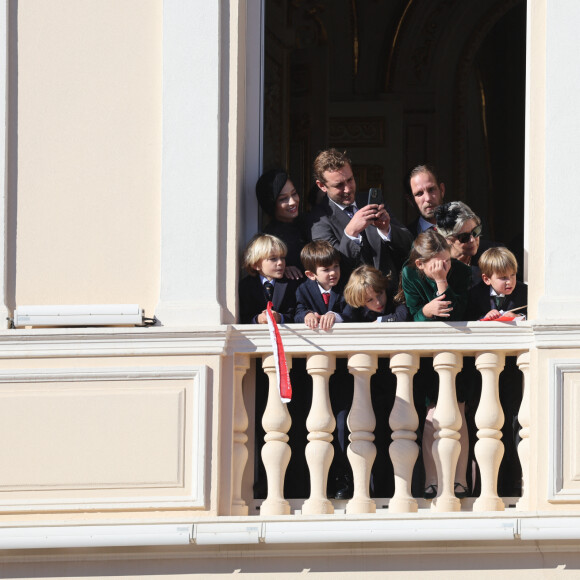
column 265, row 261
column 498, row 292
column 368, row 300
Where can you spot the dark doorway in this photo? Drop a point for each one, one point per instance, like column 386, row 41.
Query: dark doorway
column 402, row 82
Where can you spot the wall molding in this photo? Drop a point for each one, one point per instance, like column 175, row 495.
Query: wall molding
column 188, row 490
column 557, row 492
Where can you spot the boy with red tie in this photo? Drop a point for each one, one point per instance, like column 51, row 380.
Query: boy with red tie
column 319, row 300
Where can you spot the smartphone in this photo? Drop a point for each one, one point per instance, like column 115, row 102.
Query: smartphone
column 375, row 196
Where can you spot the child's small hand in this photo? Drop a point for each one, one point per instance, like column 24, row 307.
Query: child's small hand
column 492, row 315
column 263, row 317
column 311, row 320
column 437, row 307
column 327, row 321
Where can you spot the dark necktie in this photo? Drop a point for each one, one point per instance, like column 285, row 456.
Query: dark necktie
column 349, row 210
column 499, row 301
column 269, row 289
column 326, row 298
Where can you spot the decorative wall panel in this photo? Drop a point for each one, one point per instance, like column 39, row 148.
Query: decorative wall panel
column 108, row 437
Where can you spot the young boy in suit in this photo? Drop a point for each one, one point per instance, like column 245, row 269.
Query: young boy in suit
column 265, row 261
column 367, row 298
column 321, row 262
column 319, row 300
column 498, row 292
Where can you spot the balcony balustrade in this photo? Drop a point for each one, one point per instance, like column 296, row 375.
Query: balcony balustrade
column 404, row 345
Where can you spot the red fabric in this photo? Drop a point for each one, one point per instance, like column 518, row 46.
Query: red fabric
column 279, row 358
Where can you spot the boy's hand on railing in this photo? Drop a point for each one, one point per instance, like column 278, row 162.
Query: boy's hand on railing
column 492, row 315
column 263, row 317
column 311, row 320
column 326, row 321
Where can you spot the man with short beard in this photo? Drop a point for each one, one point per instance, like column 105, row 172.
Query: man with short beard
column 426, row 193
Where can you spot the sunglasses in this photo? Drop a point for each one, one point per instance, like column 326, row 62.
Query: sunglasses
column 466, row 237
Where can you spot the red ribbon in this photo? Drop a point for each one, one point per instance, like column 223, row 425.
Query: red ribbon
column 279, row 357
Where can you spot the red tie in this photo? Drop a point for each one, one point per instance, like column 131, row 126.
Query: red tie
column 326, row 297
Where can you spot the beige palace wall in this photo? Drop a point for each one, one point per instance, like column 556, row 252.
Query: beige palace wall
column 86, row 173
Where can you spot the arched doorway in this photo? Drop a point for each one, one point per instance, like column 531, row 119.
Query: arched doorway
column 398, row 83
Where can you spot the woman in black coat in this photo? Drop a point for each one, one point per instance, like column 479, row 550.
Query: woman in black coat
column 279, row 199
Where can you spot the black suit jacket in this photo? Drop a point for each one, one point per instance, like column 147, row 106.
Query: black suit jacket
column 309, row 299
column 480, row 302
column 392, row 313
column 327, row 222
column 253, row 299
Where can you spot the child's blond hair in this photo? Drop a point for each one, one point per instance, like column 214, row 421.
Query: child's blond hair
column 319, row 254
column 362, row 279
column 499, row 261
column 260, row 247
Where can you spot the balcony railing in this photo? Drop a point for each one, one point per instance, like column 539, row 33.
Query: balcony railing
column 404, row 345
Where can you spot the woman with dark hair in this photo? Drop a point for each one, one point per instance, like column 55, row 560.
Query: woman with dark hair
column 279, row 199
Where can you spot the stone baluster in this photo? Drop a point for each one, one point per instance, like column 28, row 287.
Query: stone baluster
column 524, row 417
column 361, row 423
column 240, row 458
column 447, row 422
column 404, row 422
column 489, row 419
column 276, row 451
column 320, row 424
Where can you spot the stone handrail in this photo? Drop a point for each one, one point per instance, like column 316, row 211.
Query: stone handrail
column 404, row 344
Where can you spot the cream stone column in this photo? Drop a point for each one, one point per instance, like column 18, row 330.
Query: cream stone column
column 361, row 423
column 489, row 420
column 9, row 181
column 192, row 188
column 554, row 126
column 240, row 458
column 320, row 424
column 447, row 422
column 276, row 451
column 404, row 422
column 524, row 420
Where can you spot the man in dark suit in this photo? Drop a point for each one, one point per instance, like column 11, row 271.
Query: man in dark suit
column 363, row 233
column 425, row 192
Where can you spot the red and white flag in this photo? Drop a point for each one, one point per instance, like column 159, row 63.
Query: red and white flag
column 279, row 358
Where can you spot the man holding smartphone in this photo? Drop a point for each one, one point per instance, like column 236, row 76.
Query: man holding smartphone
column 363, row 232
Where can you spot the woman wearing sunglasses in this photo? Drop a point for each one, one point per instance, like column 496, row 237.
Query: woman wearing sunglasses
column 462, row 230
